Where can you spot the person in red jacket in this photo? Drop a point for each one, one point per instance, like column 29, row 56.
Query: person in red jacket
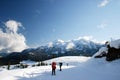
column 53, row 68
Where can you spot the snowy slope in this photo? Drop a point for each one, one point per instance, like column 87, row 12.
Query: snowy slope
column 71, row 60
column 88, row 69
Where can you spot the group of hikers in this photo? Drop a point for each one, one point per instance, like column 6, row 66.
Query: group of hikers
column 54, row 67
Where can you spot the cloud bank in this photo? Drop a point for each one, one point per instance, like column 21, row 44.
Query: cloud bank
column 10, row 39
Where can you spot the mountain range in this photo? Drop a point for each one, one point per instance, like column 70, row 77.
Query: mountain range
column 53, row 49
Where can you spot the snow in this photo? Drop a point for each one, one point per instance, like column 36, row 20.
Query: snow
column 71, row 60
column 115, row 43
column 70, row 45
column 102, row 49
column 75, row 43
column 50, row 44
column 28, row 62
column 79, row 68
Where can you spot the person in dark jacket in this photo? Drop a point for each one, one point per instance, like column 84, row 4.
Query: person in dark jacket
column 60, row 64
column 53, row 68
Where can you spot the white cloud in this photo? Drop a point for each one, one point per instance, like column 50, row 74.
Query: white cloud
column 91, row 38
column 61, row 41
column 11, row 40
column 102, row 25
column 86, row 38
column 13, row 25
column 103, row 3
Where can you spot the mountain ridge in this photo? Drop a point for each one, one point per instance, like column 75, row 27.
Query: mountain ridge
column 56, row 48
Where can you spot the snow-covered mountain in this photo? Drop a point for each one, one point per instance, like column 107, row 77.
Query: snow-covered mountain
column 56, row 48
column 73, row 47
column 77, row 43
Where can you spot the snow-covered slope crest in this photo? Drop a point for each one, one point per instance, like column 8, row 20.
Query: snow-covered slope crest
column 71, row 60
column 102, row 49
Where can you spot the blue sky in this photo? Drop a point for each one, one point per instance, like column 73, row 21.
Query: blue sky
column 44, row 21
